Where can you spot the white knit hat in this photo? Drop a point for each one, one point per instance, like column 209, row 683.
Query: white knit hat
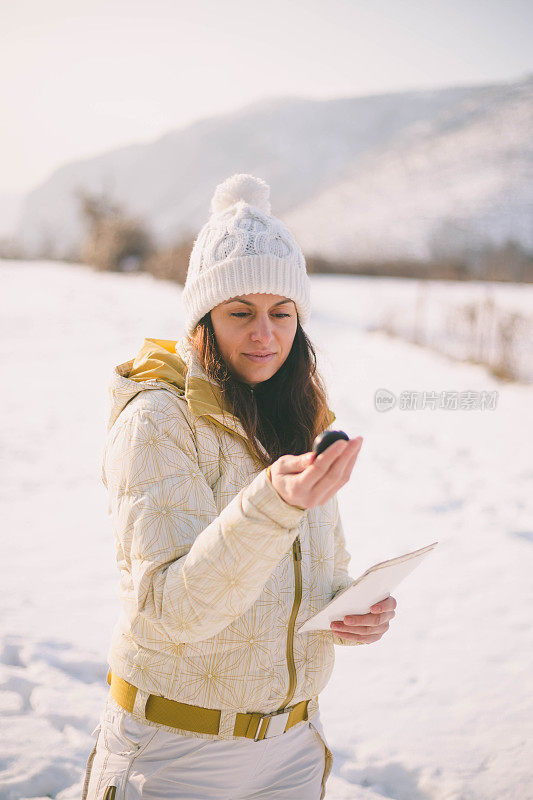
column 242, row 249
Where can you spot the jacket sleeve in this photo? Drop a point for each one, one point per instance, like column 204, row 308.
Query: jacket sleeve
column 341, row 576
column 193, row 570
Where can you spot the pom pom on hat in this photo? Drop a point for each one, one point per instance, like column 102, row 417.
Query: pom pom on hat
column 246, row 251
column 241, row 186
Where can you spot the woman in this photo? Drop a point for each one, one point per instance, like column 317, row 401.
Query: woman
column 228, row 533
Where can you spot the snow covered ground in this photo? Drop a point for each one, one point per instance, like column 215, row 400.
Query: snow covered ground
column 442, row 707
column 463, row 319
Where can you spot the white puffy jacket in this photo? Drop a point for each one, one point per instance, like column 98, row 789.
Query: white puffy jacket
column 217, row 571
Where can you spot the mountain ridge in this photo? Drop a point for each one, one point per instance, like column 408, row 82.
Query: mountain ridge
column 334, row 165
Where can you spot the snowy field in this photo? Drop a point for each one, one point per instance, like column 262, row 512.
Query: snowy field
column 442, row 707
column 480, row 321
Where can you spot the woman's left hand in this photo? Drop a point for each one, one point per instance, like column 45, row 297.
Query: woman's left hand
column 366, row 628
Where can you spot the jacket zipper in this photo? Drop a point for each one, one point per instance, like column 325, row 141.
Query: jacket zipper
column 297, row 562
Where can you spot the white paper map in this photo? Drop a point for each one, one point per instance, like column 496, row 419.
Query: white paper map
column 372, row 586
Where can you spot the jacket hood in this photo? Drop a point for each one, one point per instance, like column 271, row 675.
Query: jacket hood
column 174, row 365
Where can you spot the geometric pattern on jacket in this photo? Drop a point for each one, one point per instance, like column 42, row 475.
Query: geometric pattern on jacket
column 204, row 549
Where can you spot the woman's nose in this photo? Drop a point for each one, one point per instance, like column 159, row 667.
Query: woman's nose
column 262, row 329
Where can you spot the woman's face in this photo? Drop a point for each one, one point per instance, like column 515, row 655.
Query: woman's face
column 255, row 323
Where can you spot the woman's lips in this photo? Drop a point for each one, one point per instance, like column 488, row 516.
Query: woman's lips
column 259, row 359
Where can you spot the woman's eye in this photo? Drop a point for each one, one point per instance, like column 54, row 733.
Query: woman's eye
column 245, row 314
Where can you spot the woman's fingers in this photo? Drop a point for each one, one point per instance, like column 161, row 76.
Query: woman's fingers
column 364, row 623
column 292, row 465
column 306, row 481
column 359, row 638
column 364, row 630
column 330, row 476
column 351, row 462
column 388, row 604
column 324, row 461
column 368, row 619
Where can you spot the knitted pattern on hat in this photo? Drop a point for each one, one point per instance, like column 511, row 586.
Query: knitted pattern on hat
column 243, row 249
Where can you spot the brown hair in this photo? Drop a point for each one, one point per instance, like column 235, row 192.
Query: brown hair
column 287, row 411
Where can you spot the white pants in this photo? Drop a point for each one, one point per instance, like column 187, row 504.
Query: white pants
column 153, row 763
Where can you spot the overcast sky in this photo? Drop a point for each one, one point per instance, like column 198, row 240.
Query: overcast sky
column 80, row 77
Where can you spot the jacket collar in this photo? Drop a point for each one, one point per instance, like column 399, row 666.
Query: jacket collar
column 175, row 364
column 204, row 396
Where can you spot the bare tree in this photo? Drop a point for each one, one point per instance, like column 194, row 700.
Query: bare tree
column 114, row 241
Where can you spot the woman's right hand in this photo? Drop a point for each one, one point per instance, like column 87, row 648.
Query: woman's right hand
column 309, row 480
